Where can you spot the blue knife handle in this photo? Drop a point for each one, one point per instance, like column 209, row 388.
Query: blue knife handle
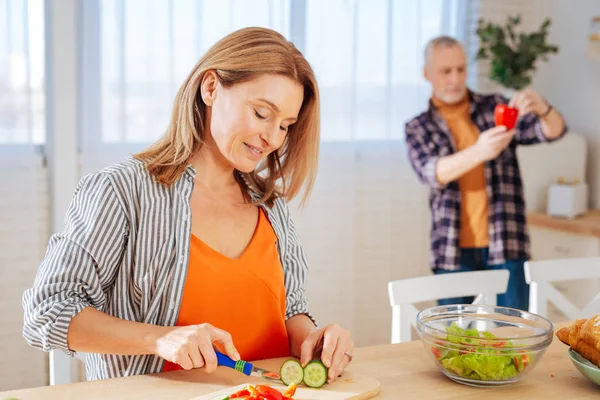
column 241, row 365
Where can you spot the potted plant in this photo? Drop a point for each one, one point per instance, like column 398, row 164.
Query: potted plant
column 513, row 55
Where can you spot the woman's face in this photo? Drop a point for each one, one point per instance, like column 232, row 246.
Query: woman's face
column 250, row 120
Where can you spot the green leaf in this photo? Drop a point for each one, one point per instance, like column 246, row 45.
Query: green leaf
column 482, row 54
column 511, row 32
column 513, row 54
column 546, row 24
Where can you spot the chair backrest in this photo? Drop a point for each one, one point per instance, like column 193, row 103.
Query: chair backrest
column 484, row 285
column 63, row 368
column 542, row 274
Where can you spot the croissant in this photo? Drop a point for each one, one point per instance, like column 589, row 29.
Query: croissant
column 584, row 338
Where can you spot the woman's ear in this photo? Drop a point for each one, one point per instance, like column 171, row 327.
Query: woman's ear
column 208, row 87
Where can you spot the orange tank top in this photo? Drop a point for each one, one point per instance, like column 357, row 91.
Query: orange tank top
column 474, row 207
column 244, row 296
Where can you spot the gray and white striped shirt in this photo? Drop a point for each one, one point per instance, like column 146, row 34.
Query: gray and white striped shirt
column 124, row 250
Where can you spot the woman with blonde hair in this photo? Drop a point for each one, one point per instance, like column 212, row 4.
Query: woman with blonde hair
column 189, row 244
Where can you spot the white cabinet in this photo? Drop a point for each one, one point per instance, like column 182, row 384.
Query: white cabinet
column 548, row 243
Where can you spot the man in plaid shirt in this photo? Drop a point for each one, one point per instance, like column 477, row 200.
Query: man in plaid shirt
column 471, row 168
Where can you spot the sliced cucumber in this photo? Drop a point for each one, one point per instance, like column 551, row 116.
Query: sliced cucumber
column 315, row 374
column 291, row 372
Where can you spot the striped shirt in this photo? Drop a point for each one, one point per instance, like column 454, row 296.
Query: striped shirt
column 124, row 250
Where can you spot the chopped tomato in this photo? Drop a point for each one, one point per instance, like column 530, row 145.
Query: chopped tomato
column 521, row 361
column 517, row 364
column 436, row 352
column 524, row 357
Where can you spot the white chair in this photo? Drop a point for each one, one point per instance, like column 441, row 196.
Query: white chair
column 542, row 274
column 63, row 367
column 485, row 285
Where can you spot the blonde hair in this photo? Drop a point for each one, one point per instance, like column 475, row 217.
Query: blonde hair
column 240, row 57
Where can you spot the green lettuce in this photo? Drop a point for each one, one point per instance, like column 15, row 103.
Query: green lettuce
column 485, row 361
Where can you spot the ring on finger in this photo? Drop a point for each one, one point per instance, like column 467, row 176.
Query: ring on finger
column 349, row 356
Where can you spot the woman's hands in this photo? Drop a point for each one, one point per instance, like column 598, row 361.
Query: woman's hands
column 192, row 346
column 334, row 344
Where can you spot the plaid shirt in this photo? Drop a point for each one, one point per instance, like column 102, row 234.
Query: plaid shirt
column 428, row 139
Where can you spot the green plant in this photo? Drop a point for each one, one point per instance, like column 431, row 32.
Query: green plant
column 513, row 55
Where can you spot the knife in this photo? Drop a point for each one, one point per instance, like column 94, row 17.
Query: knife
column 246, row 368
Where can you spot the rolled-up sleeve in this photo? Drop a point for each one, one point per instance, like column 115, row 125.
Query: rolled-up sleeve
column 529, row 131
column 79, row 266
column 422, row 154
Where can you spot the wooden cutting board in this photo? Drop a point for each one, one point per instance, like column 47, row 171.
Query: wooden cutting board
column 350, row 386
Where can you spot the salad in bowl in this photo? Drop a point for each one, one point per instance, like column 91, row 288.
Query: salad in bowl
column 483, row 345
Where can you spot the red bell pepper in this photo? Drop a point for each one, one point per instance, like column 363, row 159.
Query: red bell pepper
column 241, row 394
column 505, row 115
column 268, row 393
column 264, row 392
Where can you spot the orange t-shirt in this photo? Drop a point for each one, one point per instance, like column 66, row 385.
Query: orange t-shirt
column 245, row 296
column 474, row 223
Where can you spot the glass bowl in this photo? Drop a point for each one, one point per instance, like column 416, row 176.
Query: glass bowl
column 482, row 345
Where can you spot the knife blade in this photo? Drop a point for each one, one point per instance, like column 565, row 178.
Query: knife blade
column 265, row 374
column 246, row 368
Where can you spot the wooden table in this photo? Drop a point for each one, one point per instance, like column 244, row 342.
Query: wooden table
column 404, row 370
column 587, row 224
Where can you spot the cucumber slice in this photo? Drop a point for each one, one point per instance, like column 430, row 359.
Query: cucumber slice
column 291, row 372
column 315, row 374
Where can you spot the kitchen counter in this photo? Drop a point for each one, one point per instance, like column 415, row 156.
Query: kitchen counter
column 404, row 370
column 587, row 224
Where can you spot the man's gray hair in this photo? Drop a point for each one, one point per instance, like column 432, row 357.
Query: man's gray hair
column 440, row 41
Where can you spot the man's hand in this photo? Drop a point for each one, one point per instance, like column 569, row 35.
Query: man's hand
column 527, row 101
column 491, row 142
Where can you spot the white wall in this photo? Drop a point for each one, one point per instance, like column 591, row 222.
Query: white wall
column 571, row 81
column 24, row 225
